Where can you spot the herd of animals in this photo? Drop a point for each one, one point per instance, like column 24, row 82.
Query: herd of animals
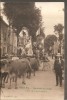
column 14, row 69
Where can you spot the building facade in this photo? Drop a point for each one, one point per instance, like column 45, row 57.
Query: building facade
column 3, row 37
column 8, row 39
column 12, row 42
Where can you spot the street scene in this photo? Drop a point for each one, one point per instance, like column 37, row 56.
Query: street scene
column 32, row 51
column 42, row 86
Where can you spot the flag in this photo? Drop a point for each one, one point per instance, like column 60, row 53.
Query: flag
column 20, row 34
column 38, row 32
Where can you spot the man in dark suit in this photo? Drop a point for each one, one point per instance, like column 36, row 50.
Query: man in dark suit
column 58, row 71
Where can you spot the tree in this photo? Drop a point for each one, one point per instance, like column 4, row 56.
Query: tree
column 58, row 29
column 23, row 15
column 49, row 41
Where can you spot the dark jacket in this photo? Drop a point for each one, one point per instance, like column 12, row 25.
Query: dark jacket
column 57, row 67
column 62, row 64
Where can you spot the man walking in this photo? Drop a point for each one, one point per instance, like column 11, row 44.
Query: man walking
column 58, row 71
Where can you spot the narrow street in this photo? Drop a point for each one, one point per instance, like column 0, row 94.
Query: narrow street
column 32, row 38
column 41, row 86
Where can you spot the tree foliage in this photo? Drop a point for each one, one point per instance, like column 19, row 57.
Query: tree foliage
column 49, row 41
column 23, row 15
column 60, row 37
column 58, row 29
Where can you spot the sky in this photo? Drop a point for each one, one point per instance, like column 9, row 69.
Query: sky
column 52, row 14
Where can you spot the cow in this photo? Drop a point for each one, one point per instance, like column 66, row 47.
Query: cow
column 3, row 73
column 29, row 69
column 34, row 64
column 20, row 66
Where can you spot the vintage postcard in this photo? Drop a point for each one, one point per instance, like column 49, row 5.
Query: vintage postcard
column 32, row 50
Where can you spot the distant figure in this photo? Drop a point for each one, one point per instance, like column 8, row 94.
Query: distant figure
column 58, row 71
column 52, row 55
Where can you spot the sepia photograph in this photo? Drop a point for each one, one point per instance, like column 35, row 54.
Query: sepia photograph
column 32, row 59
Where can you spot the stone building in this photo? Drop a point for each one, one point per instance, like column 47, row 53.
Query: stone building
column 12, row 42
column 8, row 39
column 3, row 36
column 56, row 47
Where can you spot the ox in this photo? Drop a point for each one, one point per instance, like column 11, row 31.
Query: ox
column 34, row 64
column 18, row 67
column 3, row 73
